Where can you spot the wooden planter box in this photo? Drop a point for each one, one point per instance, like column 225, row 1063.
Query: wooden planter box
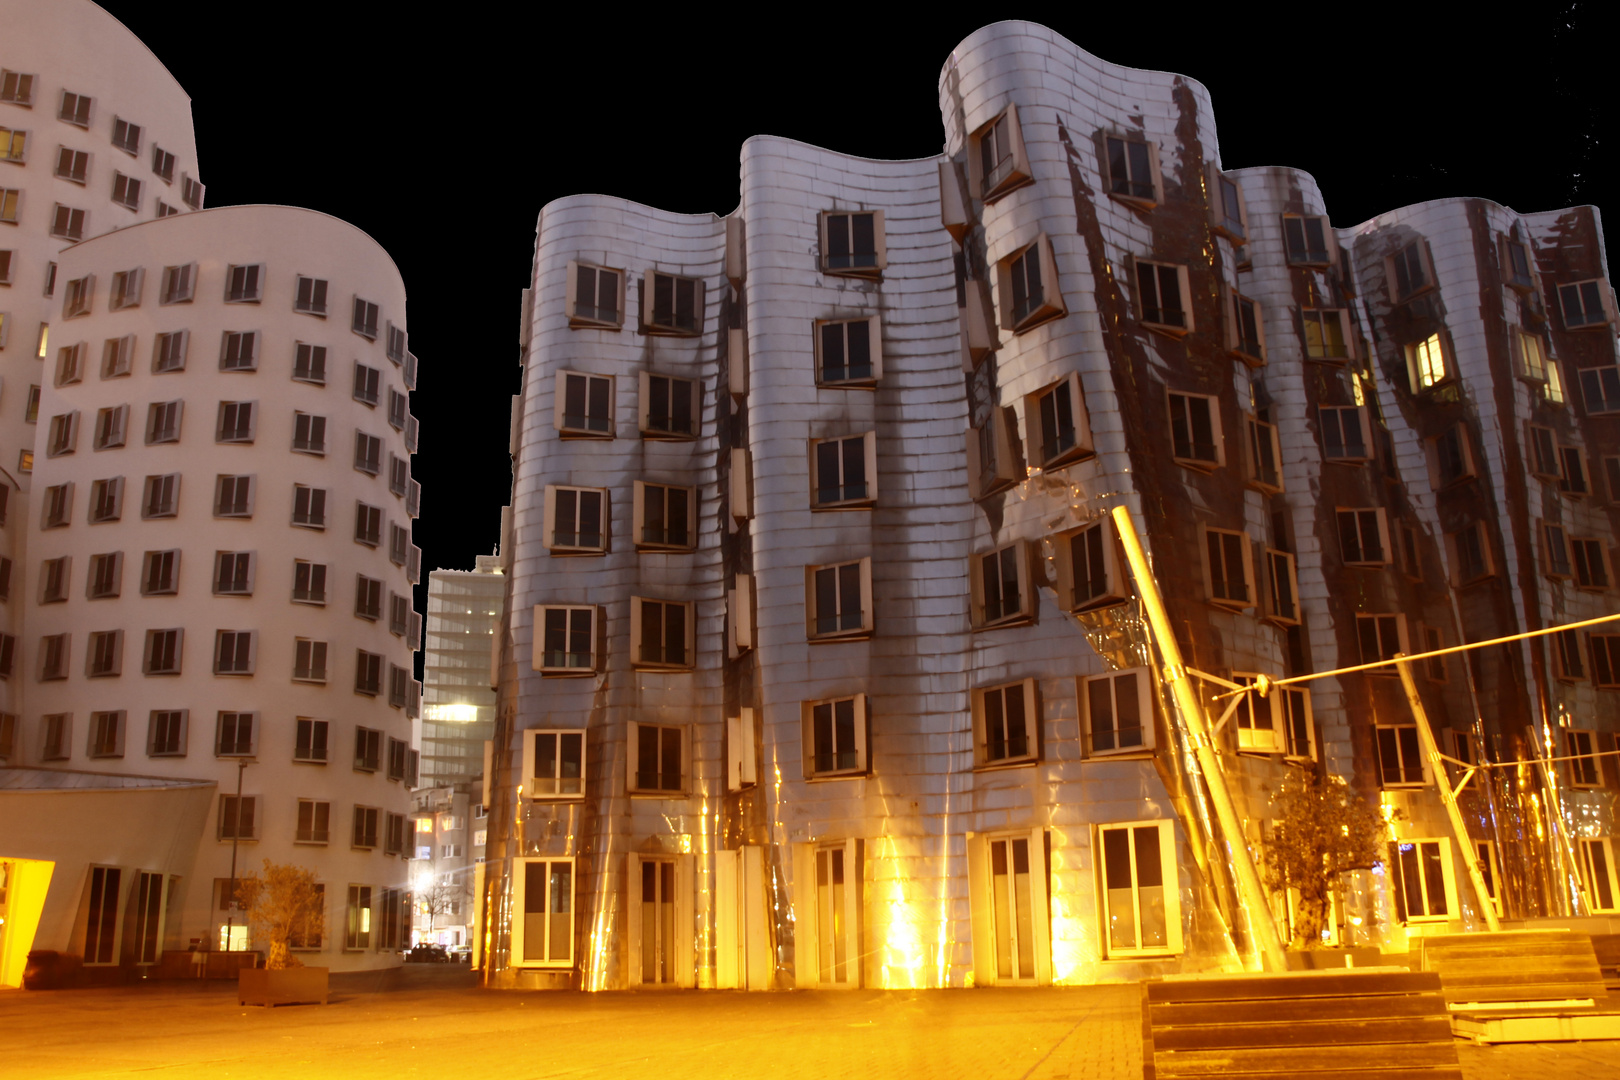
column 286, row 986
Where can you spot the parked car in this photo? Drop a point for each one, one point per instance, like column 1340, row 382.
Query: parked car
column 461, row 954
column 427, row 954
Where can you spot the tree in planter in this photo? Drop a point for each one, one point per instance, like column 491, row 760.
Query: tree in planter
column 283, row 906
column 1322, row 832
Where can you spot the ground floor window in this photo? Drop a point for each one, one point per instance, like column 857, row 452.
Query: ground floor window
column 1140, row 896
column 543, row 900
column 1423, row 879
column 358, row 932
column 101, row 925
column 1012, row 931
column 661, row 924
column 828, row 913
column 1598, row 873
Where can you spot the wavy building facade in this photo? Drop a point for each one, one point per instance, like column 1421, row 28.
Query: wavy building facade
column 820, row 664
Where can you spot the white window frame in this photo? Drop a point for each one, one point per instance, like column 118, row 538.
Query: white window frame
column 1008, row 160
column 634, row 774
column 1231, row 541
column 1576, row 308
column 1363, row 426
column 589, row 426
column 593, row 315
column 984, row 699
column 638, row 626
column 1262, row 457
column 555, row 786
column 540, row 661
column 578, row 544
column 527, row 925
column 852, row 263
column 1280, row 591
column 827, row 332
column 993, row 458
column 1467, row 469
column 1408, row 753
column 1012, row 276
column 1160, row 317
column 1306, row 256
column 1597, row 878
column 672, row 325
column 1066, row 446
column 1022, row 611
column 1145, row 737
column 1365, row 521
column 647, row 423
column 869, row 464
column 1425, row 267
column 1143, row 193
column 1318, row 346
column 860, row 735
column 1585, row 767
column 642, row 492
column 1474, row 533
column 1170, row 883
column 1181, row 411
column 1105, row 565
column 1235, row 227
column 1430, row 363
column 841, row 632
column 1441, row 847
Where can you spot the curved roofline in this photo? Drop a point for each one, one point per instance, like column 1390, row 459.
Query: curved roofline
column 1471, row 198
column 136, row 39
column 950, row 61
column 193, row 214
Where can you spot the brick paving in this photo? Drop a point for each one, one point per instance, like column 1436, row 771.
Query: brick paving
column 435, row 1023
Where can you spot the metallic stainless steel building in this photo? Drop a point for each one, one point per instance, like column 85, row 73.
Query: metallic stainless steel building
column 819, row 661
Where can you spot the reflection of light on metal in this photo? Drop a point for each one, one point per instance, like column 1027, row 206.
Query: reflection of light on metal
column 904, row 954
column 1068, row 941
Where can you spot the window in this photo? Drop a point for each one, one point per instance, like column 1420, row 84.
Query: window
column 1591, row 560
column 1309, row 241
column 31, row 410
column 397, row 749
column 309, row 434
column 663, row 633
column 1568, row 663
column 1400, row 756
column 233, row 496
column 126, row 191
column 565, row 640
column 70, row 364
column 56, row 743
column 106, row 576
column 398, row 410
column 1596, row 857
column 357, row 933
column 309, row 507
column 576, row 520
column 1543, row 453
column 5, row 274
column 1409, row 271
column 367, row 384
column 309, row 582
column 1163, row 297
column 665, row 517
column 365, row 319
column 160, row 573
column 1451, row 458
column 1140, row 891
column 234, row 652
column 671, row 305
column 367, row 453
column 162, row 652
column 1006, row 724
column 1281, row 588
column 235, row 737
column 1246, row 331
column 163, row 164
column 314, row 822
column 9, row 198
column 1586, row 304
column 75, row 109
column 992, row 450
column 997, row 158
column 191, row 191
column 595, row 296
column 309, row 364
column 1427, row 362
column 394, row 844
column 1228, row 568
column 1470, row 551
column 125, row 293
column 309, row 740
column 166, row 733
column 179, row 283
column 8, row 655
column 367, row 524
column 1131, row 170
column 365, row 826
column 310, row 296
column 367, row 749
column 669, row 407
column 1605, row 659
column 1572, row 479
column 1195, row 431
column 169, row 351
column 1090, row 568
column 1381, row 637
column 53, row 579
column 553, row 764
column 64, row 434
column 1516, row 265
column 67, row 223
column 367, row 597
column 1263, row 460
column 849, row 352
column 58, row 509
column 309, row 661
column 399, row 474
column 852, row 243
column 836, row 600
column 1000, row 586
column 399, row 542
column 17, row 88
column 238, row 817
column 239, row 350
column 1119, row 712
column 105, row 657
column 161, row 498
column 1424, row 879
column 657, row 760
column 367, row 673
column 1364, row 537
column 843, row 472
column 399, row 613
column 1059, row 427
column 1328, row 335
column 233, row 573
column 543, row 891
column 1529, row 356
column 1584, row 767
column 235, row 422
column 835, row 737
column 116, row 356
column 1228, row 213
column 1027, row 284
column 13, row 145
column 126, row 136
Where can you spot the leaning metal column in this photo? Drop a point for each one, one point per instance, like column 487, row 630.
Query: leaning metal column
column 1255, row 905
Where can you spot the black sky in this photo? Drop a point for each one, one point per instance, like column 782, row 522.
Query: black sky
column 443, row 135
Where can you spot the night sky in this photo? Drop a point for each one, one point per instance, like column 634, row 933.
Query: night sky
column 442, row 137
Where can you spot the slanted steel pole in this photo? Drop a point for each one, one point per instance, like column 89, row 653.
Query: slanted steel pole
column 1437, row 769
column 1251, row 895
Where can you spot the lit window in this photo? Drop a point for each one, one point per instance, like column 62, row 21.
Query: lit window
column 1140, row 889
column 1426, row 363
column 543, row 892
column 1327, row 334
column 553, row 764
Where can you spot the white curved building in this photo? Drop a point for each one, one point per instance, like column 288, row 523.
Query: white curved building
column 223, row 508
column 821, row 662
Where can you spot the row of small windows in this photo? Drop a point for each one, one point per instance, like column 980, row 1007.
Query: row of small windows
column 235, row 653
column 234, row 496
column 69, row 223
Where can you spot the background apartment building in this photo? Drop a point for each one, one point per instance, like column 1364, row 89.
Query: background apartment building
column 211, row 584
column 819, row 662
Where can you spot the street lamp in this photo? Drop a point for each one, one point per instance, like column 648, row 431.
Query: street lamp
column 236, row 838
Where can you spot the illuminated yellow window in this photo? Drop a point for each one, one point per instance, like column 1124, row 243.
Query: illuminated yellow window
column 1555, row 384
column 1426, row 361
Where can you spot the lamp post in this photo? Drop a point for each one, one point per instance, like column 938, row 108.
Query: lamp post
column 236, row 838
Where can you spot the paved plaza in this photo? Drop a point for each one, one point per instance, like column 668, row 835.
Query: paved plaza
column 433, row 1022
